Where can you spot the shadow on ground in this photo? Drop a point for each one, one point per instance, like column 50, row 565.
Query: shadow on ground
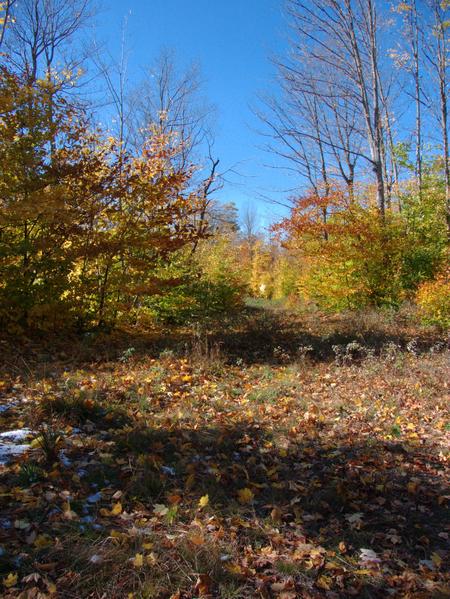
column 384, row 496
column 257, row 336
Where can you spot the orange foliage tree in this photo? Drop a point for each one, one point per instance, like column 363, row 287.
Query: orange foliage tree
column 351, row 257
column 83, row 222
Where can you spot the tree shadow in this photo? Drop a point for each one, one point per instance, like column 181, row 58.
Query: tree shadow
column 277, row 337
column 342, row 496
column 255, row 336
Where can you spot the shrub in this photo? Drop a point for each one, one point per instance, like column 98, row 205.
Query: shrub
column 433, row 300
column 351, row 257
column 207, row 285
column 196, row 299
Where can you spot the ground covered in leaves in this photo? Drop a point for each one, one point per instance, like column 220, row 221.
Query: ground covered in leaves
column 295, row 465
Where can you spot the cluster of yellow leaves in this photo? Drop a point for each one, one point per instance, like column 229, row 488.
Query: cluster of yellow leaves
column 92, row 206
column 433, row 299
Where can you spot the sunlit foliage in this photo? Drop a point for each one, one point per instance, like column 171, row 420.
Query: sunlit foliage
column 83, row 222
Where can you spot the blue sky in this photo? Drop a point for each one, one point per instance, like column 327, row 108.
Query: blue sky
column 232, row 41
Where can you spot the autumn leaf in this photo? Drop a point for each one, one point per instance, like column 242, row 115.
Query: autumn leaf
column 197, row 540
column 116, row 509
column 245, row 495
column 151, row 559
column 174, row 499
column 436, row 559
column 10, row 580
column 368, row 557
column 51, row 587
column 43, row 541
column 203, row 585
column 160, row 509
column 68, row 513
column 138, row 560
column 324, row 582
column 276, row 515
column 203, row 501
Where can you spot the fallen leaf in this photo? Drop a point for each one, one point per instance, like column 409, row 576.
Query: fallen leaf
column 203, row 585
column 245, row 496
column 10, row 580
column 203, row 502
column 116, row 509
column 160, row 509
column 138, row 560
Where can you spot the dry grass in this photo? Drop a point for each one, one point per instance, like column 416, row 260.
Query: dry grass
column 257, row 461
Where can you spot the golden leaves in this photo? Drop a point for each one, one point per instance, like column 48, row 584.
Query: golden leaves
column 138, row 560
column 274, row 471
column 245, row 495
column 203, row 501
column 91, row 204
column 116, row 509
column 43, row 541
column 11, row 580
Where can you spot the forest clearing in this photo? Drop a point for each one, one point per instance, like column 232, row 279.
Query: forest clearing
column 224, row 299
column 266, row 462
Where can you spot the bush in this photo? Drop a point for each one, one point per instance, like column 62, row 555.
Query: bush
column 358, row 266
column 197, row 299
column 433, row 300
column 354, row 258
column 207, row 285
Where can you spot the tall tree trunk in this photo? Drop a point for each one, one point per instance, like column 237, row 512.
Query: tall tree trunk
column 371, row 109
column 442, row 59
column 415, row 41
column 444, row 125
column 377, row 119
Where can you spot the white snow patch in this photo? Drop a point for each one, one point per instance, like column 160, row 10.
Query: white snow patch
column 7, row 406
column 10, row 446
column 18, row 435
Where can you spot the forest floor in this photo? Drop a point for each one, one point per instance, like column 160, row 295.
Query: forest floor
column 275, row 457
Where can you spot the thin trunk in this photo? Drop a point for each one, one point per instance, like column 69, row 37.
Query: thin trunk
column 442, row 74
column 6, row 16
column 372, row 113
column 102, row 301
column 323, row 167
column 444, row 124
column 417, row 92
column 377, row 122
column 391, row 146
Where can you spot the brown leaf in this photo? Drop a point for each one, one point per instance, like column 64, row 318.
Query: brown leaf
column 203, row 585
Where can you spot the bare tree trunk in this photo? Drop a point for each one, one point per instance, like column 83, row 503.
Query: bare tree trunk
column 207, row 188
column 413, row 37
column 6, row 18
column 371, row 108
column 442, row 65
column 395, row 175
column 436, row 53
column 444, row 125
column 418, row 99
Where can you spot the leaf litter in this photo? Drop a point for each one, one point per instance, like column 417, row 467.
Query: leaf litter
column 168, row 478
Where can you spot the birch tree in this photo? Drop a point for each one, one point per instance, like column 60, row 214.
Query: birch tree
column 437, row 54
column 334, row 79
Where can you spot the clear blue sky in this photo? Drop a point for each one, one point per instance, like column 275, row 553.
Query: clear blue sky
column 232, row 41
